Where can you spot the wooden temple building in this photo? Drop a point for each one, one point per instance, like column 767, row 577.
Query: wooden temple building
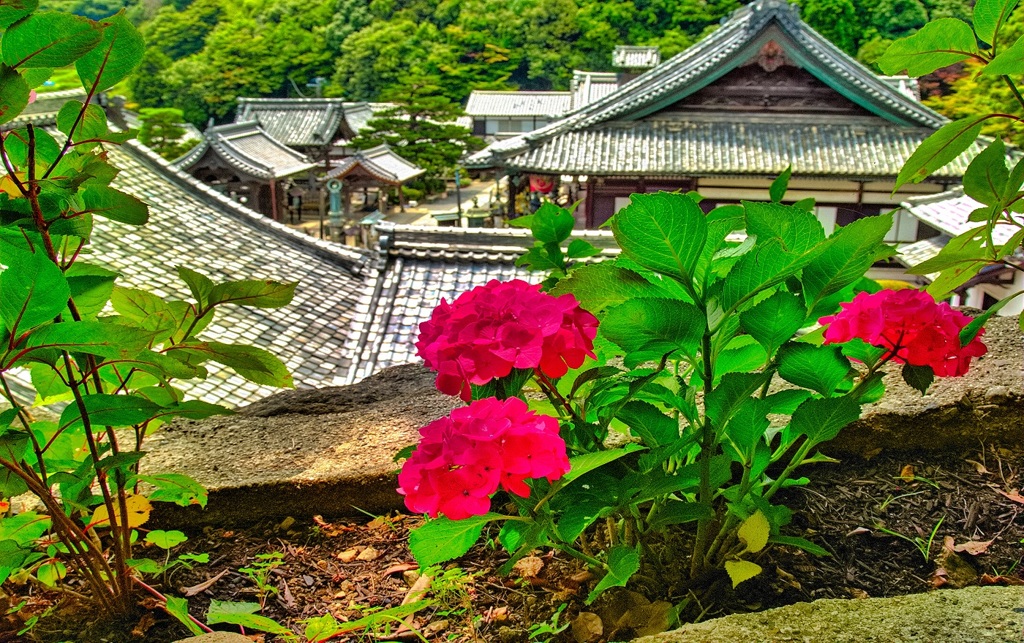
column 244, row 162
column 726, row 116
column 295, row 143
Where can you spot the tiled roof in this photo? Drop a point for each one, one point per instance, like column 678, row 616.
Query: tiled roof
column 382, row 162
column 729, row 46
column 589, row 86
column 45, row 107
column 192, row 225
column 250, row 149
column 948, row 213
column 715, row 147
column 518, row 104
column 912, row 254
column 419, row 266
column 295, row 121
column 632, row 57
column 358, row 115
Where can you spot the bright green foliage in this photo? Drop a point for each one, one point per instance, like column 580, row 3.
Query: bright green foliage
column 688, row 315
column 115, row 369
column 421, row 128
column 162, row 131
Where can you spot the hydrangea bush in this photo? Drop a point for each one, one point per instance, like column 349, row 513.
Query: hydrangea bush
column 724, row 348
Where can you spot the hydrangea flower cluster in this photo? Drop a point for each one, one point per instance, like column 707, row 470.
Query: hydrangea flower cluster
column 491, row 329
column 462, row 459
column 911, row 325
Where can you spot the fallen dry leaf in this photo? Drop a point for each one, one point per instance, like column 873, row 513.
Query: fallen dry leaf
column 203, row 586
column 587, row 627
column 907, row 473
column 496, row 614
column 349, row 555
column 528, row 567
column 1013, row 495
column 147, row 621
column 858, row 531
column 974, row 547
column 400, row 567
column 858, row 593
column 979, row 467
column 989, row 579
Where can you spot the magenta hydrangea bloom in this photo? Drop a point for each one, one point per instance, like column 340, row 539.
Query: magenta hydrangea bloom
column 464, row 458
column 491, row 329
column 911, row 325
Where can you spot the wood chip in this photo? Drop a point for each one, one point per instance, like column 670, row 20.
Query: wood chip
column 368, row 554
column 528, row 567
column 205, row 585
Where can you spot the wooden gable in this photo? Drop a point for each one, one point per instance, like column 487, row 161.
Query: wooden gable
column 770, row 82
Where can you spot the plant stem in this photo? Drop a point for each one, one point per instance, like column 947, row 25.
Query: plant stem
column 707, row 437
column 160, row 597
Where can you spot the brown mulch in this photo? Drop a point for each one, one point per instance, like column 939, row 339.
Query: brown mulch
column 347, row 568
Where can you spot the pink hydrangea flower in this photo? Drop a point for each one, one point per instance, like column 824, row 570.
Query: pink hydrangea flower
column 491, row 329
column 911, row 325
column 462, row 459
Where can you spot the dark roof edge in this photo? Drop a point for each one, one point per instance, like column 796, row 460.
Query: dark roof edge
column 355, row 261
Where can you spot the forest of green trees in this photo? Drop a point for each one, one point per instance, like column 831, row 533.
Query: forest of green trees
column 202, row 54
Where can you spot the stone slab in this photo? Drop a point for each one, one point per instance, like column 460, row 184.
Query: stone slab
column 971, row 615
column 329, row 451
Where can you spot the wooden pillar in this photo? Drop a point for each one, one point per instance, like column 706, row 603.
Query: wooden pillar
column 512, row 193
column 273, row 200
column 401, row 199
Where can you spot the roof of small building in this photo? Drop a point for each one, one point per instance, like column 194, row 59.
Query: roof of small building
column 382, row 162
column 589, row 86
column 714, row 147
column 735, row 42
column 295, row 121
column 635, row 57
column 248, row 148
column 43, row 110
column 518, row 104
column 949, row 212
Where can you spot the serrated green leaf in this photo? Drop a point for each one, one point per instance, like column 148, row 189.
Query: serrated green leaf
column 798, row 230
column 257, row 293
column 578, row 516
column 730, row 393
column 721, row 222
column 989, row 17
column 12, row 11
column 51, row 573
column 551, row 224
column 111, row 410
column 986, row 177
column 847, row 256
column 647, row 329
column 775, row 320
column 822, row 419
column 91, row 287
column 675, row 512
column 252, row 363
column 119, row 53
column 587, row 462
column 198, row 284
column 662, row 232
column 622, row 563
column 745, row 430
column 115, row 205
column 93, row 122
column 13, row 448
column 648, row 423
column 49, row 39
column 1009, row 62
column 765, row 266
column 441, row 539
column 243, row 614
column 175, row 487
column 819, row 368
column 919, row 377
column 108, row 340
column 780, row 185
column 14, row 93
column 941, row 147
column 971, row 330
column 178, row 608
column 939, row 43
column 24, row 528
column 33, row 291
column 580, row 249
column 146, row 310
column 603, row 285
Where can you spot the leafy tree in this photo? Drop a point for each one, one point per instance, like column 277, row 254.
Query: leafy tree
column 421, row 128
column 162, row 131
column 836, row 20
column 898, row 18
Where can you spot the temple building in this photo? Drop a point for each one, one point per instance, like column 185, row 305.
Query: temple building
column 762, row 93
